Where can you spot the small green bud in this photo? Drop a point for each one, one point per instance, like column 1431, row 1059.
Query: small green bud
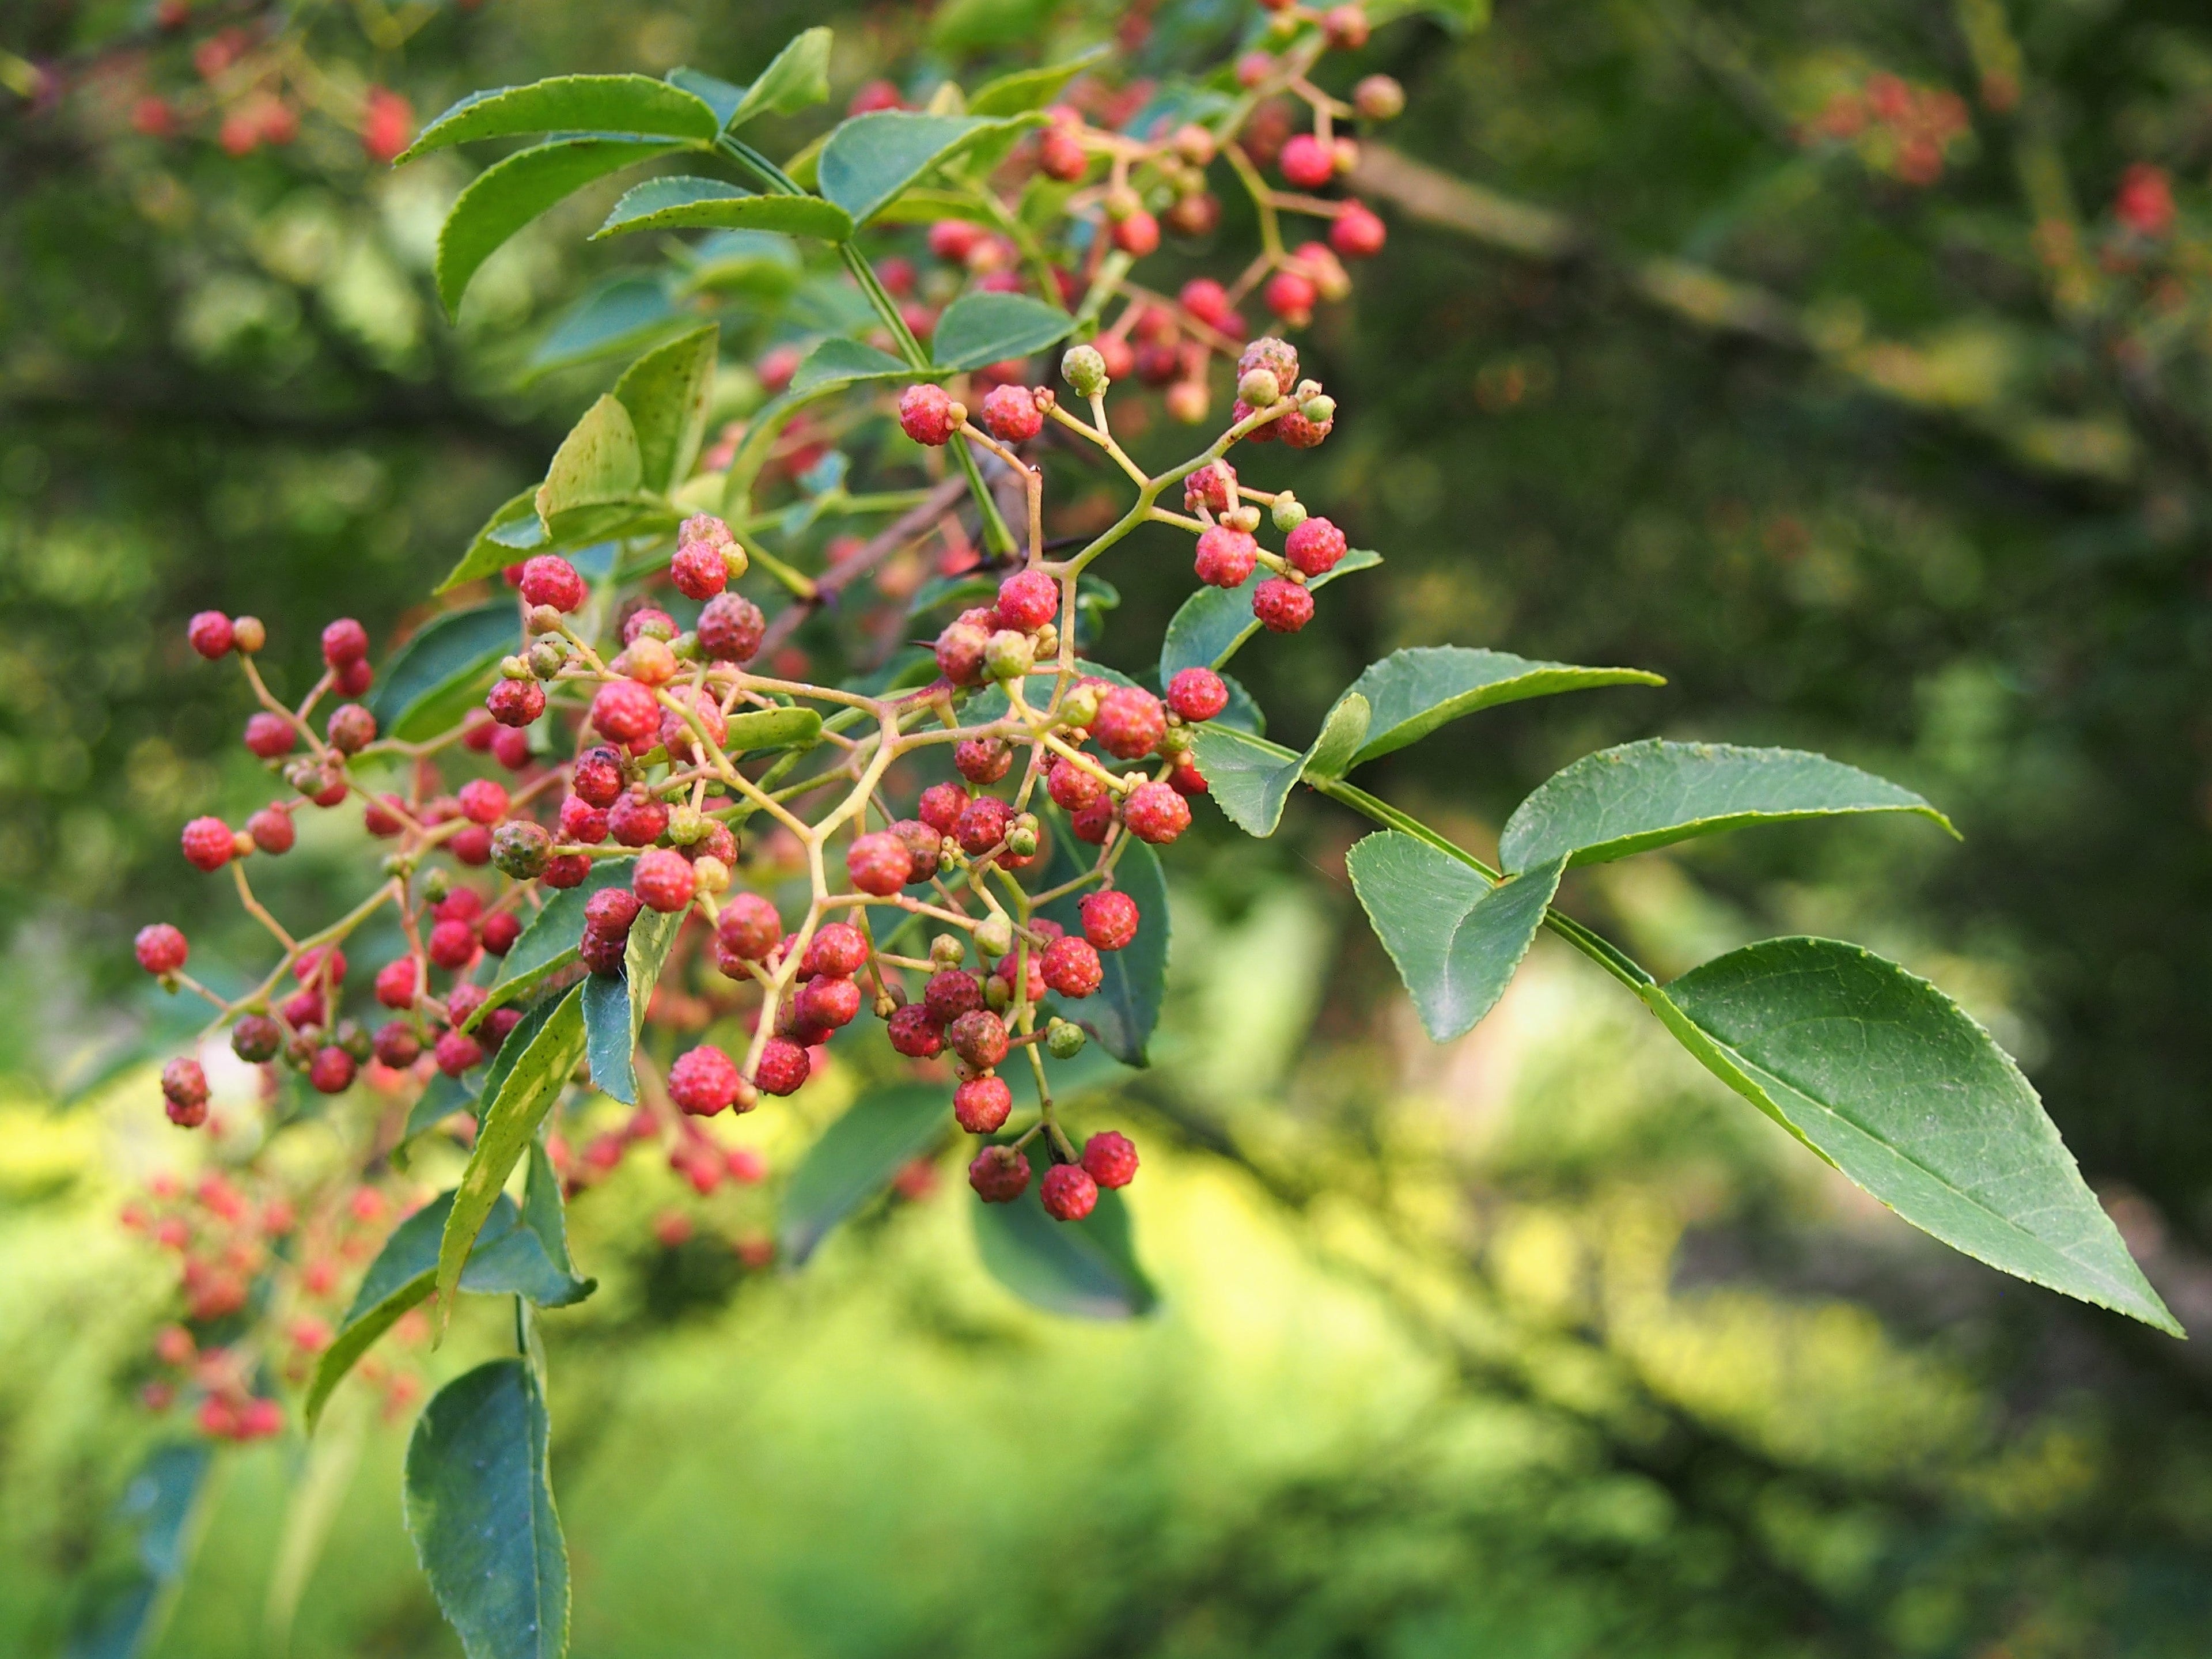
column 548, row 657
column 1289, row 512
column 1080, row 706
column 543, row 619
column 436, row 886
column 1022, row 836
column 352, row 1036
column 399, row 865
column 1083, row 369
column 656, row 628
column 1046, row 639
column 709, row 874
column 1260, row 388
column 946, row 951
column 1245, row 518
column 1009, row 655
column 1321, row 410
column 735, row 559
column 1175, row 740
column 998, row 995
column 687, row 824
column 684, row 646
column 1063, row 1039
column 515, row 668
column 995, row 936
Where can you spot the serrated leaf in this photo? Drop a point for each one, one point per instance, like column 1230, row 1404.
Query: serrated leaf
column 517, row 1044
column 1250, row 779
column 773, row 728
column 988, row 328
column 1121, row 1014
column 1213, row 624
column 510, row 1121
column 545, row 1215
column 443, row 669
column 1648, row 794
column 1455, row 939
column 614, row 1005
column 509, row 1259
column 598, row 464
column 488, row 555
column 871, row 158
column 796, row 77
column 684, row 203
column 616, row 316
column 1087, row 1269
column 440, row 1099
column 839, row 361
column 479, row 1506
column 512, row 191
column 635, row 104
column 1894, row 1084
column 1342, row 733
column 668, row 392
column 855, row 1158
column 551, row 940
column 1029, row 89
column 1242, row 712
column 1413, row 692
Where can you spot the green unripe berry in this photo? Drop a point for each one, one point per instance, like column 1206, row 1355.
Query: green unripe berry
column 1048, row 641
column 1260, row 388
column 1080, row 706
column 995, row 936
column 1022, row 836
column 687, row 824
column 548, row 657
column 543, row 619
column 946, row 951
column 1009, row 655
column 515, row 668
column 1245, row 518
column 709, row 874
column 1083, row 369
column 685, row 647
column 436, row 886
column 521, row 848
column 998, row 995
column 1064, row 1039
column 1320, row 409
column 1289, row 512
column 1175, row 740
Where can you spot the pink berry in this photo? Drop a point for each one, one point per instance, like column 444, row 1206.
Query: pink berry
column 566, row 870
column 649, row 619
column 1028, row 599
column 344, row 642
column 398, row 984
column 1073, row 788
column 1307, row 162
column 748, row 927
column 1315, row 547
column 581, row 822
column 1357, row 233
column 456, row 1051
column 1225, row 557
column 1155, row 813
column 837, row 948
column 515, row 703
column 1109, row 1159
column 624, row 711
column 451, row 944
column 1067, row 1191
column 1000, row 1175
column 677, row 734
column 396, row 1045
column 663, row 880
column 604, row 954
column 612, row 911
column 703, row 1080
column 699, row 570
column 462, row 1003
column 960, row 649
column 1110, row 919
column 982, row 1104
column 941, row 806
column 925, row 414
column 1206, row 300
column 1197, row 694
column 1213, row 487
column 269, row 735
column 954, row 239
column 185, row 1092
column 982, row 760
column 1072, row 967
column 1011, row 414
column 352, row 729
column 510, row 747
column 160, row 948
column 1137, row 235
column 1289, row 296
column 982, row 825
column 210, row 633
column 1283, row 605
column 879, row 864
column 638, row 818
column 783, row 1066
column 828, row 1000
column 730, row 629
column 1092, row 823
column 914, row 1034
column 1131, row 722
column 550, row 579
column 483, row 800
column 207, row 843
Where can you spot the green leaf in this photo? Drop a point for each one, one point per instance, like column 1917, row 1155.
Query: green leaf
column 479, row 1505
column 988, row 328
column 1647, row 794
column 508, row 1259
column 1242, row 712
column 598, row 523
column 511, row 193
column 619, row 316
column 796, row 78
column 545, row 1214
column 488, row 555
column 443, row 669
column 614, row 1005
column 855, row 1158
column 1085, row 1268
column 1894, row 1084
column 572, row 103
column 1122, row 1012
column 869, row 159
column 1250, row 779
column 440, row 1099
column 668, row 392
column 684, row 203
column 1213, row 623
column 1456, row 939
column 517, row 1045
column 1342, row 734
column 839, row 361
column 156, row 1510
column 1029, row 89
column 551, row 940
column 598, row 464
column 510, row 1121
column 773, row 728
column 1413, row 692
column 922, row 205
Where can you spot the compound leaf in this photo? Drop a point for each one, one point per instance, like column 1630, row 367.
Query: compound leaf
column 1087, row 1269
column 1213, row 624
column 625, row 104
column 855, row 1158
column 684, row 203
column 667, row 393
column 988, row 328
column 442, row 669
column 871, row 158
column 598, row 464
column 1413, row 692
column 512, row 191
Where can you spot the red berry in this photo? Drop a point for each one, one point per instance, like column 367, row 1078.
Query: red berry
column 611, row 911
column 699, row 570
column 353, row 678
column 598, row 778
column 783, row 1068
column 748, row 927
column 302, row 1010
column 1067, row 1191
column 453, row 945
column 1206, row 300
column 1011, row 414
column 1110, row 919
column 461, row 904
column 1109, row 1159
column 1315, row 547
column 207, row 843
column 982, row 1104
column 510, row 747
column 730, row 629
column 396, row 1045
column 472, row 846
column 456, row 1051
column 914, row 1035
column 1137, row 234
column 703, row 1080
column 1131, row 722
column 1000, row 1175
column 1213, row 487
column 624, row 711
column 1289, row 296
column 344, row 640
column 1072, row 967
column 982, row 825
column 499, row 932
column 483, row 800
column 160, row 948
column 828, row 1000
column 581, row 822
column 925, row 414
column 954, row 239
column 566, row 870
column 1197, row 694
column 1357, row 233
column 210, row 633
column 1283, row 605
column 331, row 1072
column 1061, row 154
column 950, row 993
column 1028, row 599
column 879, row 864
column 1033, row 981
column 1225, row 556
column 1073, row 788
column 320, row 962
column 603, row 953
column 381, row 818
column 1092, row 823
column 269, row 735
column 941, row 806
column 837, row 948
column 978, row 1036
column 352, row 728
column 515, row 703
column 462, row 1003
column 960, row 649
column 982, row 760
column 874, row 96
column 1156, row 812
column 663, row 880
column 1186, row 780
column 184, row 1089
column 256, row 1037
column 1307, row 162
column 923, row 847
column 639, row 818
column 550, row 579
column 398, row 984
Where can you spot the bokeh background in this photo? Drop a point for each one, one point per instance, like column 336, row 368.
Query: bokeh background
column 1829, row 359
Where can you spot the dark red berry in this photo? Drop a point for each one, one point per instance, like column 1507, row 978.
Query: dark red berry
column 550, row 579
column 510, row 747
column 272, row 830
column 914, row 1035
column 515, row 703
column 625, row 711
column 960, row 650
column 982, row 825
column 603, row 953
column 941, row 806
column 730, row 629
column 699, row 570
column 1073, row 788
column 399, row 983
column 1072, row 967
column 461, row 904
column 638, row 818
column 453, row 945
column 352, row 728
column 331, row 1072
column 749, row 928
column 703, row 1080
column 1283, row 605
column 1028, row 599
column 923, row 847
column 462, row 1003
column 1197, row 694
column 784, row 1067
column 1109, row 1159
column 256, row 1038
column 271, row 735
column 1000, row 1175
column 663, row 880
column 396, row 1045
column 982, row 760
column 207, row 843
column 978, row 1036
column 879, row 864
column 598, row 778
column 210, row 633
column 320, row 962
column 581, row 822
column 950, row 993
column 982, row 1104
column 1213, row 487
column 483, row 800
column 566, row 870
column 1131, row 722
column 611, row 911
column 1091, row 824
column 1110, row 919
column 160, row 948
column 1186, row 780
column 344, row 640
column 185, row 1092
column 837, row 947
column 1067, row 1191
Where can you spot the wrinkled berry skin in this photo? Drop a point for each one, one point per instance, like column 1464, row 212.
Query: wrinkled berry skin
column 914, row 1034
column 879, row 864
column 924, row 848
column 207, row 843
column 184, row 1090
column 623, row 711
column 960, row 651
column 352, row 728
column 978, row 1037
column 1000, row 1175
column 550, row 579
column 982, row 760
column 210, row 633
column 982, row 1104
column 515, row 703
column 941, row 806
column 1131, row 722
column 1073, row 788
column 1028, row 599
column 703, row 1080
column 829, row 1001
column 256, row 1038
column 457, row 1051
column 699, row 570
column 1213, row 487
column 982, row 825
column 1225, row 557
column 663, row 880
column 1109, row 920
column 1156, row 812
column 1197, row 694
column 598, row 780
column 1109, row 1159
column 837, row 948
column 950, row 993
column 1067, row 1193
column 638, row 818
column 521, row 849
column 784, row 1067
column 1283, row 606
column 160, row 948
column 1314, row 548
column 924, row 415
column 730, row 629
column 1011, row 414
column 748, row 927
column 1070, row 967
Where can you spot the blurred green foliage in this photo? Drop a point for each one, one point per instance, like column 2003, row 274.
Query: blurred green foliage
column 1529, row 1345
